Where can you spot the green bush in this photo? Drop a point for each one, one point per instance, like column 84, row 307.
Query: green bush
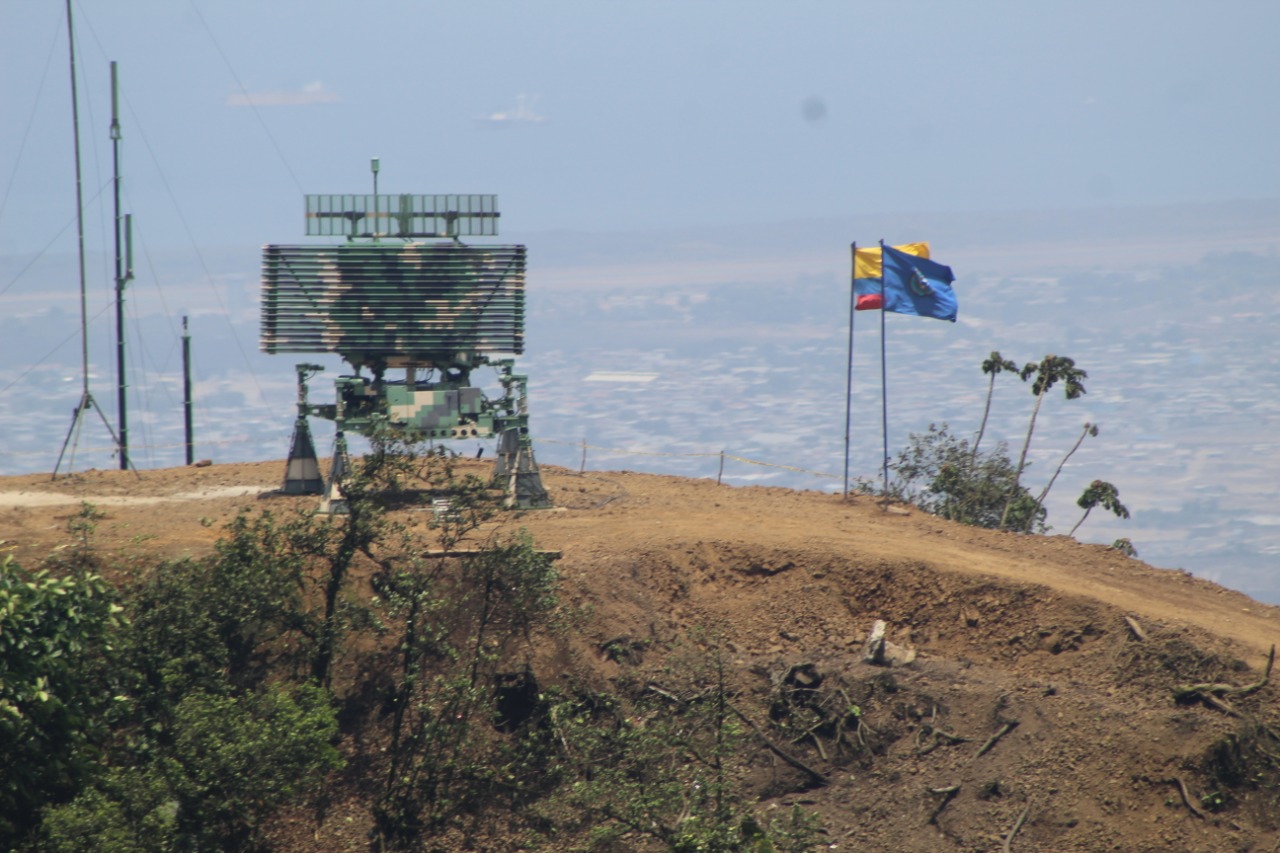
column 54, row 632
column 222, row 624
column 242, row 757
column 232, row 762
column 942, row 475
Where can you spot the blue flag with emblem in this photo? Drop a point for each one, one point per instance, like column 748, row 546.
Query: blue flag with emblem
column 919, row 286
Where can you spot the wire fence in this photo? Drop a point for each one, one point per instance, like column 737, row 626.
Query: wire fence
column 721, row 455
column 587, row 450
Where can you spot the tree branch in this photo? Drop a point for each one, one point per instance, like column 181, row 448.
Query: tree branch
column 1008, row 839
column 817, row 777
column 991, row 741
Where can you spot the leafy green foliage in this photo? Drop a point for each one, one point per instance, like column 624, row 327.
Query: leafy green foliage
column 127, row 810
column 395, row 472
column 1124, row 546
column 1100, row 493
column 941, row 474
column 53, row 633
column 241, row 757
column 949, row 477
column 203, row 746
column 224, row 624
column 218, row 707
column 82, row 526
column 222, row 766
column 1051, row 370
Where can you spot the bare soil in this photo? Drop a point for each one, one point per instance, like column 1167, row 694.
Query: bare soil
column 1067, row 654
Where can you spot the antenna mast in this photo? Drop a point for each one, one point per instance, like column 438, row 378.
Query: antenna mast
column 86, row 398
column 124, row 272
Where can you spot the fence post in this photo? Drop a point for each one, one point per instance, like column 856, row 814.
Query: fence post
column 583, row 467
column 720, row 475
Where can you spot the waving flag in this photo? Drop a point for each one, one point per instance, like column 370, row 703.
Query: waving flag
column 916, row 285
column 867, row 269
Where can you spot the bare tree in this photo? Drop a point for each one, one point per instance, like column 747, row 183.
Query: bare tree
column 1089, row 429
column 1051, row 370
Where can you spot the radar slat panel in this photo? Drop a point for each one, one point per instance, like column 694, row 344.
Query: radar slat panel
column 393, row 300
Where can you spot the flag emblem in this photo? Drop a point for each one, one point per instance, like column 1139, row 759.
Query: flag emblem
column 919, row 284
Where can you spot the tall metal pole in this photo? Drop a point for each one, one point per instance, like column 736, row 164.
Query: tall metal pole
column 374, row 165
column 848, row 388
column 122, row 276
column 75, row 125
column 186, row 391
column 86, row 398
column 884, row 384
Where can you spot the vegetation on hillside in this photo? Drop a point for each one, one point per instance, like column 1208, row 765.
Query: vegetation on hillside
column 201, row 702
column 448, row 697
column 948, row 476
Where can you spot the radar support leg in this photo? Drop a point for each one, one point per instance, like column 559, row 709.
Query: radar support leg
column 302, row 470
column 334, row 501
column 517, row 465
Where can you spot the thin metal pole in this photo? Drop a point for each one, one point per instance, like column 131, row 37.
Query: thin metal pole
column 374, row 165
column 75, row 127
column 121, row 401
column 884, row 382
column 186, row 392
column 86, row 398
column 848, row 386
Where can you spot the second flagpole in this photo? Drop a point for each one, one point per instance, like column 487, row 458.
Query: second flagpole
column 848, row 389
column 884, row 383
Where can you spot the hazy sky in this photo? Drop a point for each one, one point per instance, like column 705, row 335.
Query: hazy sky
column 620, row 115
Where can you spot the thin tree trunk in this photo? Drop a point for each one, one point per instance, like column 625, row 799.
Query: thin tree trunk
column 991, row 387
column 322, row 663
column 1080, row 522
column 1022, row 460
column 1061, row 465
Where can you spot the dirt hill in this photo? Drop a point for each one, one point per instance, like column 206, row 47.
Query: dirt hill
column 1040, row 700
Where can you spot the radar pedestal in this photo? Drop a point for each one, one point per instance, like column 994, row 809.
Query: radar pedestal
column 334, row 501
column 517, row 468
column 404, row 293
column 302, row 470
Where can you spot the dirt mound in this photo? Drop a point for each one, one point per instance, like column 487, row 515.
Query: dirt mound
column 1040, row 701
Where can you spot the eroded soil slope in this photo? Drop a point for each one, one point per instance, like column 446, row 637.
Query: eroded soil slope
column 1041, row 695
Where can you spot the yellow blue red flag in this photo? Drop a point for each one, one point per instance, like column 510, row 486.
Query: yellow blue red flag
column 867, row 271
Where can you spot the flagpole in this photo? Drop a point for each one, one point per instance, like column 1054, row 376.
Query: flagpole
column 884, row 383
column 848, row 388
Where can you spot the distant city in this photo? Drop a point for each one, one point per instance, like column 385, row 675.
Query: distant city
column 661, row 359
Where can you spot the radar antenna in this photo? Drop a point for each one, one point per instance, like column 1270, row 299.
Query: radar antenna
column 403, row 292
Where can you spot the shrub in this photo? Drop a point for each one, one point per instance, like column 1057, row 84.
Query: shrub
column 942, row 475
column 53, row 694
column 229, row 763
